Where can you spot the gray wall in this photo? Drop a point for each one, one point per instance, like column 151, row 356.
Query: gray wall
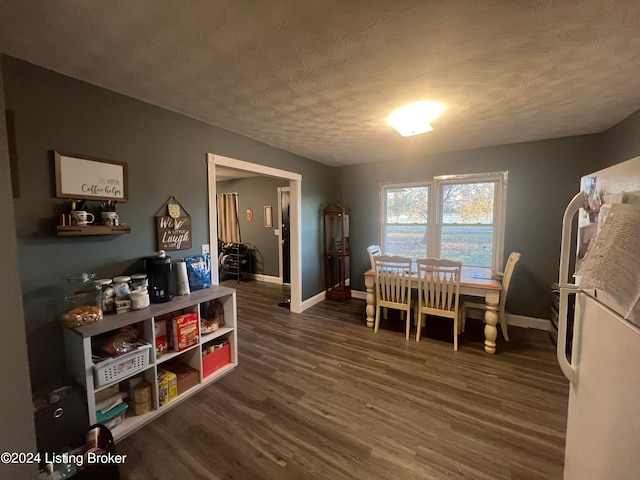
column 15, row 402
column 622, row 142
column 543, row 177
column 255, row 193
column 166, row 154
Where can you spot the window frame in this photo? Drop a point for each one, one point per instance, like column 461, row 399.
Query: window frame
column 435, row 210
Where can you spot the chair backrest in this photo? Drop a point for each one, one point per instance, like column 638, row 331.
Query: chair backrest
column 506, row 278
column 439, row 284
column 373, row 251
column 393, row 279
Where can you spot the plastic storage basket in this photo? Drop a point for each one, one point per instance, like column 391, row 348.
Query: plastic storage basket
column 117, row 368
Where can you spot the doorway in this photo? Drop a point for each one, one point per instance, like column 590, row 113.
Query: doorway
column 295, row 208
column 285, row 233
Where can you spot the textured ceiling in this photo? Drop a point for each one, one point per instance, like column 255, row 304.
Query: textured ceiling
column 319, row 77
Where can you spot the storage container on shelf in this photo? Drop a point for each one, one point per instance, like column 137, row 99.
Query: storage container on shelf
column 83, row 297
column 139, row 299
column 108, row 295
column 122, row 285
column 117, row 368
column 139, row 281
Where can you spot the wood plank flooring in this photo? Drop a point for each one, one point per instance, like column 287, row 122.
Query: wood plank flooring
column 320, row 396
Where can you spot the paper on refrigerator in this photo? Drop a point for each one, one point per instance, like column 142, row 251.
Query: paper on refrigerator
column 611, row 269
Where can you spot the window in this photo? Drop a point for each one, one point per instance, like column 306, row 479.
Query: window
column 406, row 228
column 457, row 216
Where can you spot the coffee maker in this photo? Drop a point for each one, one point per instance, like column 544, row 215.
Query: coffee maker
column 158, row 270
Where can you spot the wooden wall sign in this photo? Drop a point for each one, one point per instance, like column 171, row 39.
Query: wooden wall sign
column 90, row 178
column 173, row 227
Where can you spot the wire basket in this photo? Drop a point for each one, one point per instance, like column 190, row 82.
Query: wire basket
column 117, row 368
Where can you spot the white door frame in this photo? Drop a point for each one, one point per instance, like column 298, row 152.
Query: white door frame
column 295, row 198
column 280, row 257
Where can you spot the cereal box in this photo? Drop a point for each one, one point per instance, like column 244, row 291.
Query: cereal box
column 167, row 386
column 185, row 331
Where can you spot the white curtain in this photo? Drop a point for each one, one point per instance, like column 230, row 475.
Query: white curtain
column 228, row 224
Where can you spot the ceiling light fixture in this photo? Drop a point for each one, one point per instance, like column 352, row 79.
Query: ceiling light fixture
column 415, row 118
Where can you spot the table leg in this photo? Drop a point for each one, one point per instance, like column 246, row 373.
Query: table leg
column 492, row 300
column 371, row 300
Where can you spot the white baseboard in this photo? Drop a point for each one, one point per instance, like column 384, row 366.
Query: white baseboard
column 521, row 321
column 513, row 320
column 529, row 322
column 359, row 294
column 310, row 302
column 265, row 278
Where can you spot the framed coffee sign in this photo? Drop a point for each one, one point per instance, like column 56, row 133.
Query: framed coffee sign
column 90, row 178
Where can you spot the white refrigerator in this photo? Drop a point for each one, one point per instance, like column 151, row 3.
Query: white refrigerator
column 603, row 420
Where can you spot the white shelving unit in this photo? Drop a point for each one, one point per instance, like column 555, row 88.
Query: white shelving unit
column 78, row 347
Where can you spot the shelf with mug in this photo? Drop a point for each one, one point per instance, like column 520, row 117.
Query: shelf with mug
column 77, row 230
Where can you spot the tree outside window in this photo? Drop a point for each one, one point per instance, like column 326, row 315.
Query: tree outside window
column 406, row 226
column 467, row 228
column 455, row 217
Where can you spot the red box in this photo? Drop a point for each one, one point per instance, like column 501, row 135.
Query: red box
column 184, row 331
column 216, row 360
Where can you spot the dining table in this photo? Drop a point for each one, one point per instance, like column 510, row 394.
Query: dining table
column 474, row 281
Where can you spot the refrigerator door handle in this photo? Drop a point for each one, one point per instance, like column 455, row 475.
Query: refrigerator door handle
column 567, row 225
column 568, row 370
column 566, row 288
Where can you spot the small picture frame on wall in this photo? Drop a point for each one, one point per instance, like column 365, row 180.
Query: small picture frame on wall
column 268, row 222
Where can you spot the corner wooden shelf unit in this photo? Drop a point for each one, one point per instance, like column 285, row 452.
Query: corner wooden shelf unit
column 76, row 231
column 78, row 346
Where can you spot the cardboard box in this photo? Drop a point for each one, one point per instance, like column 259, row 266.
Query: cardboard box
column 163, row 389
column 184, row 331
column 216, row 360
column 160, row 325
column 187, row 376
column 107, row 393
column 167, row 386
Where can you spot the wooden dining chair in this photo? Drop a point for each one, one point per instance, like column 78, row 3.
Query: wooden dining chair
column 393, row 286
column 373, row 251
column 506, row 281
column 439, row 291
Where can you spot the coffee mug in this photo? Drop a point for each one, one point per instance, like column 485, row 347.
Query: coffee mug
column 81, row 218
column 109, row 218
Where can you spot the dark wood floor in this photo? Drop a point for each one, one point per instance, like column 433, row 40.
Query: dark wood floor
column 320, row 396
